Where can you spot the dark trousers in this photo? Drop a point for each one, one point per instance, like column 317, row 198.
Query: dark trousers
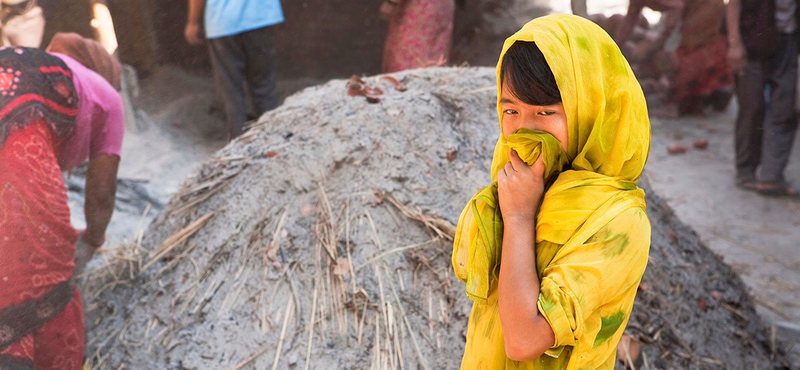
column 245, row 57
column 767, row 122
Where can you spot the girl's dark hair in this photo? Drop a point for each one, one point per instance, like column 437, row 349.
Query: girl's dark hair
column 528, row 75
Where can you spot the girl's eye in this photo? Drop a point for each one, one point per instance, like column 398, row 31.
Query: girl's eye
column 546, row 113
column 510, row 111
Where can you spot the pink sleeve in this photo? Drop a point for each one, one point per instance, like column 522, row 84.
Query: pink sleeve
column 107, row 125
column 99, row 124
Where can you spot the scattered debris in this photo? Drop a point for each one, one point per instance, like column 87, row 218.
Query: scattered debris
column 676, row 148
column 628, row 351
column 672, row 235
column 700, row 143
column 357, row 87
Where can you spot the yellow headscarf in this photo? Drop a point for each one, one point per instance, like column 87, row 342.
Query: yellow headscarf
column 609, row 139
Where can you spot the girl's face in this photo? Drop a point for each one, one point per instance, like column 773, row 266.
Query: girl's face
column 547, row 118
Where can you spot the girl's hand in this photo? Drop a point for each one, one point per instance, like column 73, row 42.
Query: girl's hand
column 520, row 188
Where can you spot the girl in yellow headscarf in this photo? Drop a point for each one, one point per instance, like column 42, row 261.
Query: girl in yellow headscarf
column 564, row 207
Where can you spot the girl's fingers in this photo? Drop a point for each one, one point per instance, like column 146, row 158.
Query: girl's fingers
column 508, row 169
column 538, row 167
column 514, row 159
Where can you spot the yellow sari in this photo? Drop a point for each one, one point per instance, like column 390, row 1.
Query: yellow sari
column 592, row 232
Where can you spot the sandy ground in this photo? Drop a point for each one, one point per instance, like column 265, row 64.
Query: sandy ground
column 178, row 128
column 758, row 236
column 279, row 215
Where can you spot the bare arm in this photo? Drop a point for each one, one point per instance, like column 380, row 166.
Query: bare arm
column 526, row 333
column 736, row 51
column 101, row 187
column 194, row 30
column 626, row 27
column 672, row 9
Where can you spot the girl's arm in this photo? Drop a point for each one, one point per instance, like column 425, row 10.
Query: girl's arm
column 526, row 333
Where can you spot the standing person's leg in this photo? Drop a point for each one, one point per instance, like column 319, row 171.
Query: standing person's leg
column 261, row 64
column 228, row 60
column 749, row 121
column 780, row 119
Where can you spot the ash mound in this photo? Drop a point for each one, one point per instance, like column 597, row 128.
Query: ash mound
column 321, row 239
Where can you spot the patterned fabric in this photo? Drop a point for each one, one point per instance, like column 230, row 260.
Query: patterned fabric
column 592, row 232
column 35, row 85
column 701, row 71
column 420, row 34
column 37, row 245
column 58, row 344
column 19, row 319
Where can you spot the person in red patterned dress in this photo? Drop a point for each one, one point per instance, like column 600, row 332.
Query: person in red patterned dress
column 54, row 113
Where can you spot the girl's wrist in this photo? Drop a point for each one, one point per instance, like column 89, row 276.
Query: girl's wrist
column 519, row 218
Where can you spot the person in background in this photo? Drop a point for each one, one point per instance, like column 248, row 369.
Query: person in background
column 703, row 77
column 696, row 71
column 242, row 50
column 55, row 113
column 671, row 10
column 22, row 23
column 420, row 33
column 762, row 53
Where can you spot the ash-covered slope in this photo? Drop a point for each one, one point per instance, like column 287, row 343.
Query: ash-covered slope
column 319, row 240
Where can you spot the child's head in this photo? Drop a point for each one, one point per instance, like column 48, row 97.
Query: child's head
column 564, row 75
column 529, row 96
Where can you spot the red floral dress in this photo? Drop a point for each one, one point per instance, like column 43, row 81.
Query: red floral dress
column 41, row 317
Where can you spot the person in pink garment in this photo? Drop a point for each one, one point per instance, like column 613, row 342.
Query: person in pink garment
column 419, row 35
column 99, row 127
column 57, row 110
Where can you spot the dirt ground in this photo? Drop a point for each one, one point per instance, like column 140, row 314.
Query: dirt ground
column 246, row 244
column 757, row 236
